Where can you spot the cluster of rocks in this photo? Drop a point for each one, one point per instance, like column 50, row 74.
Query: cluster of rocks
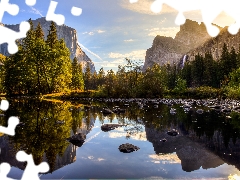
column 116, row 110
column 127, row 148
column 223, row 106
column 106, row 110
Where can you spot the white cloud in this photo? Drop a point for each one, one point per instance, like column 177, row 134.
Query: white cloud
column 169, row 32
column 111, row 64
column 165, row 158
column 89, row 33
column 100, row 31
column 143, row 7
column 128, row 40
column 137, row 54
column 82, row 46
column 35, row 11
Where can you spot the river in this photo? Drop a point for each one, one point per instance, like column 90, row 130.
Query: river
column 207, row 145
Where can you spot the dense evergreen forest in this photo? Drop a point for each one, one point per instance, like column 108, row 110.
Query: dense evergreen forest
column 43, row 66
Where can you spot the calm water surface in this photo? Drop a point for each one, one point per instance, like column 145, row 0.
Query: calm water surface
column 207, row 146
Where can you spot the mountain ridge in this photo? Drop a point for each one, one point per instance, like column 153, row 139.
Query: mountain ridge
column 69, row 35
column 190, row 40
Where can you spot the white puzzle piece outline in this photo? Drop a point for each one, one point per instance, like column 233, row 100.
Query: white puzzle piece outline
column 30, row 2
column 209, row 10
column 12, row 121
column 5, row 6
column 51, row 16
column 4, row 170
column 12, row 36
column 31, row 171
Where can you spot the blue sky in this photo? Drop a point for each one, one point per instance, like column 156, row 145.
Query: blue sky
column 110, row 30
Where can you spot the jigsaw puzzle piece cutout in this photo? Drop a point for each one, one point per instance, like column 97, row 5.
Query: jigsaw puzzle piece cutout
column 30, row 2
column 12, row 36
column 76, row 11
column 4, row 105
column 5, row 6
column 231, row 7
column 31, row 171
column 4, row 170
column 181, row 6
column 133, row 1
column 12, row 123
column 210, row 10
column 59, row 19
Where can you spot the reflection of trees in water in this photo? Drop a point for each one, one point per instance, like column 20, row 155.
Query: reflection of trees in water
column 41, row 132
column 202, row 125
column 42, row 135
column 205, row 124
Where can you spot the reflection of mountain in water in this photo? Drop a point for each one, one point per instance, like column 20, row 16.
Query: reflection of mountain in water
column 8, row 155
column 8, row 152
column 230, row 154
column 192, row 154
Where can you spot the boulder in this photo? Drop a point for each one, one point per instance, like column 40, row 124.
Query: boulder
column 77, row 139
column 127, row 148
column 173, row 132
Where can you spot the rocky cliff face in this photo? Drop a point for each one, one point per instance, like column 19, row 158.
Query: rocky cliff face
column 168, row 50
column 67, row 33
column 214, row 45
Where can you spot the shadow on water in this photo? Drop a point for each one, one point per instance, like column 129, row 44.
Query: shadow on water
column 205, row 140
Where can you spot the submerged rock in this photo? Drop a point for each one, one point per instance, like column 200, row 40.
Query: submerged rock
column 109, row 127
column 172, row 132
column 127, row 148
column 199, row 111
column 77, row 139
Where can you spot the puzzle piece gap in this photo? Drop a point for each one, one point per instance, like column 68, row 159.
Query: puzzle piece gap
column 31, row 171
column 209, row 10
column 5, row 6
column 4, row 170
column 76, row 11
column 30, row 2
column 51, row 16
column 4, row 105
column 12, row 123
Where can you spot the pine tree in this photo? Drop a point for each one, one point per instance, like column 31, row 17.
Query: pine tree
column 38, row 68
column 110, row 82
column 101, row 77
column 77, row 76
column 30, row 37
column 60, row 71
column 39, row 32
column 186, row 73
column 197, row 70
column 52, row 38
column 224, row 62
column 233, row 60
column 87, row 77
